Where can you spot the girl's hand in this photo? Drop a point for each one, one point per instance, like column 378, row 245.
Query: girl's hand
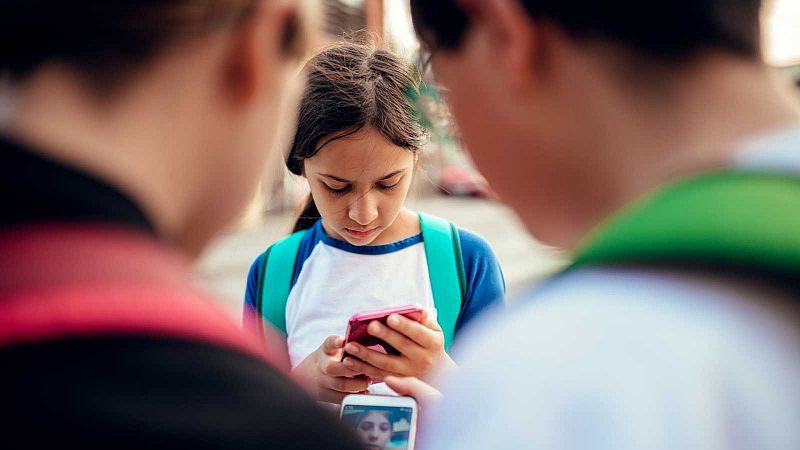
column 326, row 377
column 421, row 347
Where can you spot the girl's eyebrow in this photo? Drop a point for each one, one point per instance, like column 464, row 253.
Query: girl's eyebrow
column 333, row 177
column 342, row 180
column 396, row 172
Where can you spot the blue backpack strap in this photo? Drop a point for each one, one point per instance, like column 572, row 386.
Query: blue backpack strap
column 279, row 262
column 446, row 271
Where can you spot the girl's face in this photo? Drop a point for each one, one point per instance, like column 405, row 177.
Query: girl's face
column 359, row 184
column 374, row 430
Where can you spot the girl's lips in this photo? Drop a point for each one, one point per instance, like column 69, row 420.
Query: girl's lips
column 359, row 234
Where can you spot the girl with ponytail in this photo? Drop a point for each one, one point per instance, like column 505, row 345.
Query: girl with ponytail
column 356, row 247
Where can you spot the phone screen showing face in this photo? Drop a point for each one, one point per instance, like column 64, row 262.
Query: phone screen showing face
column 381, row 427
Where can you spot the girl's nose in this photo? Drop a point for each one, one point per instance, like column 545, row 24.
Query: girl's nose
column 364, row 210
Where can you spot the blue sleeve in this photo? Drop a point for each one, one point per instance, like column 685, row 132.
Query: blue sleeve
column 485, row 284
column 307, row 245
column 251, row 292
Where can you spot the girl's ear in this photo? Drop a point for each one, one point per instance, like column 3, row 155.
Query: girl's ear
column 415, row 166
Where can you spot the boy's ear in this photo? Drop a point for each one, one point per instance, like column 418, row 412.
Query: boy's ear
column 272, row 38
column 303, row 29
column 513, row 35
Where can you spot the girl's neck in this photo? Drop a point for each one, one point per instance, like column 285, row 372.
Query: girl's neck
column 405, row 226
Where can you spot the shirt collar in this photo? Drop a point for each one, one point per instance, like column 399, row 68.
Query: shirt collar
column 776, row 151
column 37, row 189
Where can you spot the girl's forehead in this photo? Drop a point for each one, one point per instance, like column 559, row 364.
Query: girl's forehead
column 378, row 415
column 365, row 154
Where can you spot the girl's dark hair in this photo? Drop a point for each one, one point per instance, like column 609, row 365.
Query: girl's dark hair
column 662, row 29
column 390, row 416
column 350, row 86
column 104, row 39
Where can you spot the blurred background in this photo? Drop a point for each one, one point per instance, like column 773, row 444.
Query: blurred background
column 447, row 184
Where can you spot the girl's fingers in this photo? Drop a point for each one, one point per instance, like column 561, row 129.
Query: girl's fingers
column 403, row 344
column 429, row 320
column 332, row 345
column 348, row 385
column 388, row 363
column 330, row 396
column 367, row 369
column 333, row 368
column 417, row 332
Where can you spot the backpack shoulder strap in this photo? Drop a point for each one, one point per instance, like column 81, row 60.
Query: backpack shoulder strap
column 279, row 262
column 446, row 271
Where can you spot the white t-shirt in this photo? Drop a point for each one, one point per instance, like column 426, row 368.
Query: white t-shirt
column 332, row 280
column 615, row 358
column 339, row 280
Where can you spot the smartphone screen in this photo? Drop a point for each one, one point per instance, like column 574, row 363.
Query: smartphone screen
column 380, row 427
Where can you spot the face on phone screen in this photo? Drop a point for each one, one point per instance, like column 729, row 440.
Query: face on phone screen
column 379, row 427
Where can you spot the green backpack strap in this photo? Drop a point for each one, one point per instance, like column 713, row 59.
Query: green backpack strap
column 747, row 220
column 276, row 279
column 446, row 271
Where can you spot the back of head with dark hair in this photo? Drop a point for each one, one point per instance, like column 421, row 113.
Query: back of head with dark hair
column 350, row 86
column 104, row 39
column 662, row 29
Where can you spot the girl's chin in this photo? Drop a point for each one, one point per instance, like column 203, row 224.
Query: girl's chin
column 360, row 238
column 359, row 242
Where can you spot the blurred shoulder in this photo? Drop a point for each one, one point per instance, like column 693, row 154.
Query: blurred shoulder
column 618, row 351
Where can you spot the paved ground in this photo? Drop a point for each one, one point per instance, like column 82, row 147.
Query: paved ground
column 223, row 268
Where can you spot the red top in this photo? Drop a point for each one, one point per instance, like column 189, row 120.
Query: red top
column 67, row 281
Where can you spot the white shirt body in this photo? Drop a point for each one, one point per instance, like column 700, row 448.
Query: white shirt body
column 626, row 358
column 335, row 284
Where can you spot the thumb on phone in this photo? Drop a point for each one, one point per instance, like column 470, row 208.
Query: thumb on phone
column 429, row 319
column 332, row 345
column 423, row 392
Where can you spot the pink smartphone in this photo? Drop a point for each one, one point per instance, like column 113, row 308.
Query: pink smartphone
column 357, row 326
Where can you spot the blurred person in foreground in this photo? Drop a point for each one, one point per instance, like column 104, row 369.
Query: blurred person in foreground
column 650, row 140
column 132, row 132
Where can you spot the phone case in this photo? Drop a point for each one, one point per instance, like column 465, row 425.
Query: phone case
column 357, row 327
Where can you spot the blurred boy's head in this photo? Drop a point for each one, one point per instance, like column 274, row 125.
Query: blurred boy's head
column 557, row 100
column 176, row 102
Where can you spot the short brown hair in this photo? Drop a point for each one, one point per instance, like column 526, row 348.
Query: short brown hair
column 663, row 29
column 104, row 39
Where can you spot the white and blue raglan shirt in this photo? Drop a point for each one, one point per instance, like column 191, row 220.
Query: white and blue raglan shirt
column 333, row 280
